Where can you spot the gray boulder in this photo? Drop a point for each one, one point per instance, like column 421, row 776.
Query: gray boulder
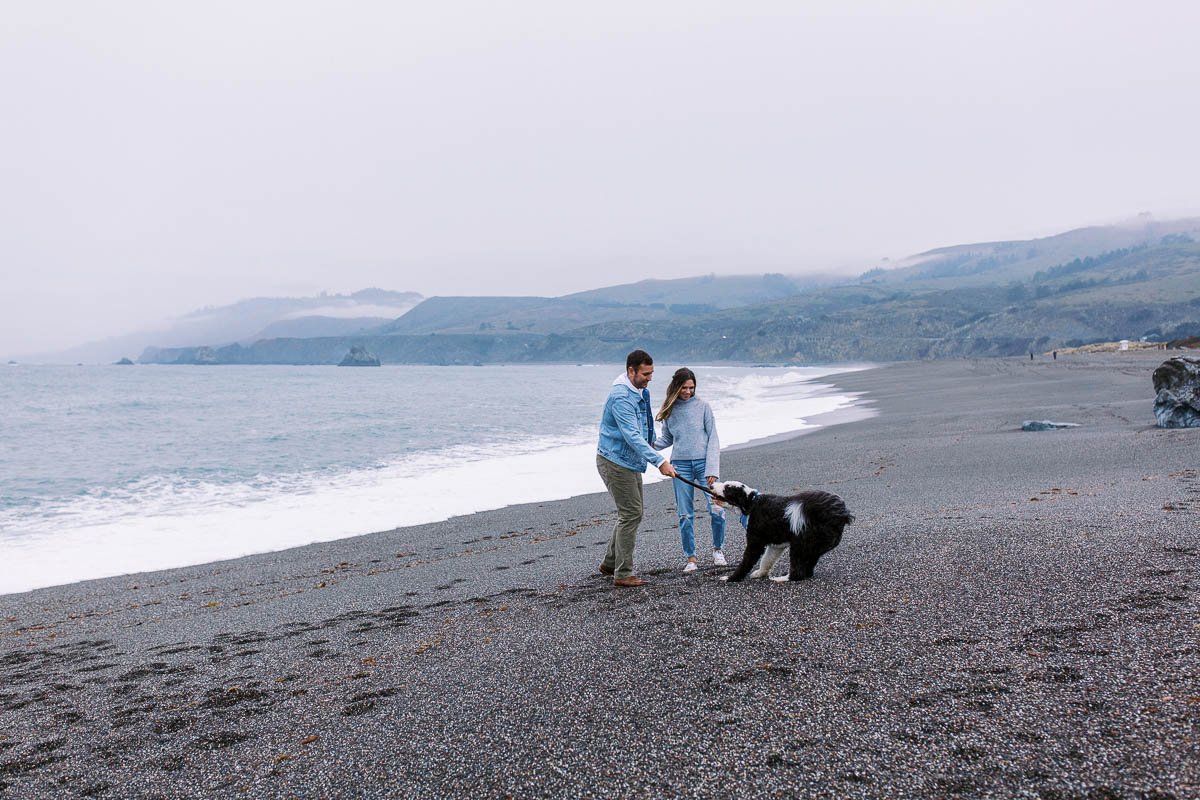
column 1177, row 393
column 1046, row 425
column 359, row 357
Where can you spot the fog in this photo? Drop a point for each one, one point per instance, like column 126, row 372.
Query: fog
column 156, row 158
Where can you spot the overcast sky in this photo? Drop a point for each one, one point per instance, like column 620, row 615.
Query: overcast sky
column 158, row 157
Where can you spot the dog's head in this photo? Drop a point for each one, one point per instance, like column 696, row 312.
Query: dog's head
column 735, row 494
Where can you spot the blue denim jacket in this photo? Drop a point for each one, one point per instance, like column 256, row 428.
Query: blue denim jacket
column 627, row 427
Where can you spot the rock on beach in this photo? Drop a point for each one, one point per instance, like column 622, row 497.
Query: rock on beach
column 1177, row 393
column 1003, row 619
column 1046, row 425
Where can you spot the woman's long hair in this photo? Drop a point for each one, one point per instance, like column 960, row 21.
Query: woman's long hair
column 681, row 376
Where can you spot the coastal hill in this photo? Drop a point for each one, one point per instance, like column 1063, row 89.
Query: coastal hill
column 1134, row 281
column 1148, row 289
column 647, row 301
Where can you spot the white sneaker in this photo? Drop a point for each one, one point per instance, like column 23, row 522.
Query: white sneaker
column 691, row 567
column 719, row 558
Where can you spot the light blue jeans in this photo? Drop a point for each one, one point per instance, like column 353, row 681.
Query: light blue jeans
column 685, row 504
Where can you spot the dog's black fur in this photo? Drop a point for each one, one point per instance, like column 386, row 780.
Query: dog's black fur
column 809, row 523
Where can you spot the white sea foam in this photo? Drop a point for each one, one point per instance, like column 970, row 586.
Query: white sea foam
column 171, row 522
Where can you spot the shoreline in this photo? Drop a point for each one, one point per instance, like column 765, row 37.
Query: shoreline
column 843, row 416
column 216, row 550
column 1011, row 614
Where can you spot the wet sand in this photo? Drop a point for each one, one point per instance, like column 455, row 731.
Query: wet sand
column 1011, row 615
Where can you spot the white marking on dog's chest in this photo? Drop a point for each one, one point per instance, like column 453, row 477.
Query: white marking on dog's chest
column 795, row 515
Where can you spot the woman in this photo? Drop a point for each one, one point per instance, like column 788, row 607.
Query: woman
column 688, row 424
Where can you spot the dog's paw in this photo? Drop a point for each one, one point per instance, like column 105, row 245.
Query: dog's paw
column 758, row 573
column 723, row 578
column 780, row 579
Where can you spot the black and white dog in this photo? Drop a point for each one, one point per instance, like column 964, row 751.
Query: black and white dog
column 809, row 523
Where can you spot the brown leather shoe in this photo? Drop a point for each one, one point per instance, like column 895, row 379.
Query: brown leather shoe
column 632, row 580
column 605, row 570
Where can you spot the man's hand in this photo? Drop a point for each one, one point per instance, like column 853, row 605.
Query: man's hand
column 711, row 480
column 666, row 469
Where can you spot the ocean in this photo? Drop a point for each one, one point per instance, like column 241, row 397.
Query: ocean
column 109, row 470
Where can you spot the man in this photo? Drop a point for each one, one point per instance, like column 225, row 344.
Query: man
column 626, row 430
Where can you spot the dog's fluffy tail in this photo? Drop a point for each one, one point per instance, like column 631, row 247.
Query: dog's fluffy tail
column 825, row 507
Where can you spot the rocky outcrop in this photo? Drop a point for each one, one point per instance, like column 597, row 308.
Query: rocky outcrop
column 124, row 362
column 1177, row 393
column 359, row 357
column 1046, row 425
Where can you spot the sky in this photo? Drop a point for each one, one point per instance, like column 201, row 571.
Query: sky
column 160, row 157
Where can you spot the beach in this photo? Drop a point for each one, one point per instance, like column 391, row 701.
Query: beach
column 1012, row 614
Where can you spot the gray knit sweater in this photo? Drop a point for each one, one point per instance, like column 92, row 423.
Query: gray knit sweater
column 692, row 429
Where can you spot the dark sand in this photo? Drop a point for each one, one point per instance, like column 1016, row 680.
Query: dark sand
column 1012, row 615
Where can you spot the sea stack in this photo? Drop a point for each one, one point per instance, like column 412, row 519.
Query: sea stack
column 359, row 357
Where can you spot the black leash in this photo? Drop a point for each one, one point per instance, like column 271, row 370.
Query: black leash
column 698, row 486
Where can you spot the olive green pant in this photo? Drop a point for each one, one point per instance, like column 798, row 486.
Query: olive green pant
column 625, row 486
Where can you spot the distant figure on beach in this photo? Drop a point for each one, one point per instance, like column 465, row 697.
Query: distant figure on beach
column 690, row 427
column 1031, row 356
column 1055, row 355
column 626, row 431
